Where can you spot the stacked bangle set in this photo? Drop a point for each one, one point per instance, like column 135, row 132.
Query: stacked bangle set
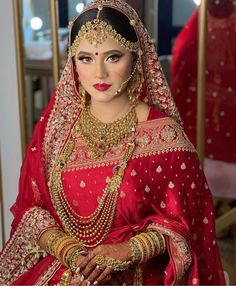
column 143, row 247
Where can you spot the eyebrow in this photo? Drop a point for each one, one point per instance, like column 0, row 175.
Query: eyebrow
column 105, row 53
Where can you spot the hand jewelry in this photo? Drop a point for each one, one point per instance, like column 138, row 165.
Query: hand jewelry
column 100, row 259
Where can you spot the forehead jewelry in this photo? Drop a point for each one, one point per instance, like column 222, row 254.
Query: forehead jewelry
column 97, row 31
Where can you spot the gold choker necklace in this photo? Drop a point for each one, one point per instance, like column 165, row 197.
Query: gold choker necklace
column 102, row 136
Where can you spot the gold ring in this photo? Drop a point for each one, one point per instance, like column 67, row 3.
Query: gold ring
column 100, row 259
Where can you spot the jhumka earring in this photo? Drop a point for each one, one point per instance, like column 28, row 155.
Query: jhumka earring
column 82, row 94
column 135, row 86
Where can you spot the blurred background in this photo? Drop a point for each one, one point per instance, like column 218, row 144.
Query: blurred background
column 28, row 76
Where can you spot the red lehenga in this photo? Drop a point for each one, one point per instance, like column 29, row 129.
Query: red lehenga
column 163, row 188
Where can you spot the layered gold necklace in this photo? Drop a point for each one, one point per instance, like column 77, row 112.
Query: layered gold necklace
column 100, row 136
column 93, row 229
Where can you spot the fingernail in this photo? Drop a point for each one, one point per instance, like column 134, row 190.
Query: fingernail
column 84, row 252
column 95, row 283
column 82, row 278
column 77, row 270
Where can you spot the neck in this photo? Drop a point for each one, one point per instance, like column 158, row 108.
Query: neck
column 108, row 112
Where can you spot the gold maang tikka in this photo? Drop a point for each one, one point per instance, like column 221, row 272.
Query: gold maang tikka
column 97, row 31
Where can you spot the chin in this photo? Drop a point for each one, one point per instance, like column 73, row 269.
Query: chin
column 101, row 97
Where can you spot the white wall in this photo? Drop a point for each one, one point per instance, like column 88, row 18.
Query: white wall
column 9, row 111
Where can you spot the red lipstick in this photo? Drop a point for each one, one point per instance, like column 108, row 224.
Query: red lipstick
column 101, row 86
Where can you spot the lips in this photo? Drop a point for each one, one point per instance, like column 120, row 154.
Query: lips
column 101, row 86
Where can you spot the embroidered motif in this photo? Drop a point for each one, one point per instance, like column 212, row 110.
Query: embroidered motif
column 171, row 185
column 133, row 173
column 183, row 166
column 82, row 184
column 159, row 169
column 162, row 205
column 147, row 189
column 193, row 185
column 205, row 221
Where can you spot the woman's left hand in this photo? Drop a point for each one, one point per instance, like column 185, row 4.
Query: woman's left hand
column 93, row 267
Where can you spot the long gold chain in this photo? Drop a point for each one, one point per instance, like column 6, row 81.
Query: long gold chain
column 92, row 229
column 100, row 136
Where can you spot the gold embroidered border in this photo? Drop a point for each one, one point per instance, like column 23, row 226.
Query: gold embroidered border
column 65, row 110
column 178, row 248
column 153, row 137
column 22, row 251
column 48, row 274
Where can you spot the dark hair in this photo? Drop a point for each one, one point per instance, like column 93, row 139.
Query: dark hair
column 113, row 17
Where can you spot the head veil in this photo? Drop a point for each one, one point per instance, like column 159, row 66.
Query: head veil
column 66, row 109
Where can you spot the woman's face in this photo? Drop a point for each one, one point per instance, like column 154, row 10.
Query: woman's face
column 103, row 69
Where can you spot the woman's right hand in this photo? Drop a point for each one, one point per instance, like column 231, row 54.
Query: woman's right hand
column 94, row 272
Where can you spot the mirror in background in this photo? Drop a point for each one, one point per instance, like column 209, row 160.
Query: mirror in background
column 220, row 92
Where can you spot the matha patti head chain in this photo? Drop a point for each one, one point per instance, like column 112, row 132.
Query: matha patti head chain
column 97, row 31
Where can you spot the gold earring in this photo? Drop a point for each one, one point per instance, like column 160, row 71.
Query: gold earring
column 82, row 94
column 134, row 88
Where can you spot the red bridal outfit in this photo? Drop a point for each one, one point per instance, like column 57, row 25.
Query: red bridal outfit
column 220, row 90
column 163, row 187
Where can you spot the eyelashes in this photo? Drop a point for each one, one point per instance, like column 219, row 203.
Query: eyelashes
column 85, row 59
column 111, row 58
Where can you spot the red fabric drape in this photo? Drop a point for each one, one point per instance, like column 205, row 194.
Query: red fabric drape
column 220, row 79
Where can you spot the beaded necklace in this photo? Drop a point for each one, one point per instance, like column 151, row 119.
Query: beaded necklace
column 92, row 229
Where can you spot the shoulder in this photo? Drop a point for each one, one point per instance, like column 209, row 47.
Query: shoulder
column 145, row 112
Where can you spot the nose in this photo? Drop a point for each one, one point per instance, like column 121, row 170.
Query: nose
column 101, row 71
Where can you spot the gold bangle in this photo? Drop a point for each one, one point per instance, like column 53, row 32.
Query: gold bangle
column 60, row 244
column 162, row 244
column 152, row 241
column 73, row 259
column 141, row 248
column 54, row 236
column 150, row 248
column 52, row 228
column 160, row 240
column 66, row 255
column 135, row 251
column 67, row 249
column 146, row 247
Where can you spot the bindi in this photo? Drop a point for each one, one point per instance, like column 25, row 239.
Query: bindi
column 96, row 53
